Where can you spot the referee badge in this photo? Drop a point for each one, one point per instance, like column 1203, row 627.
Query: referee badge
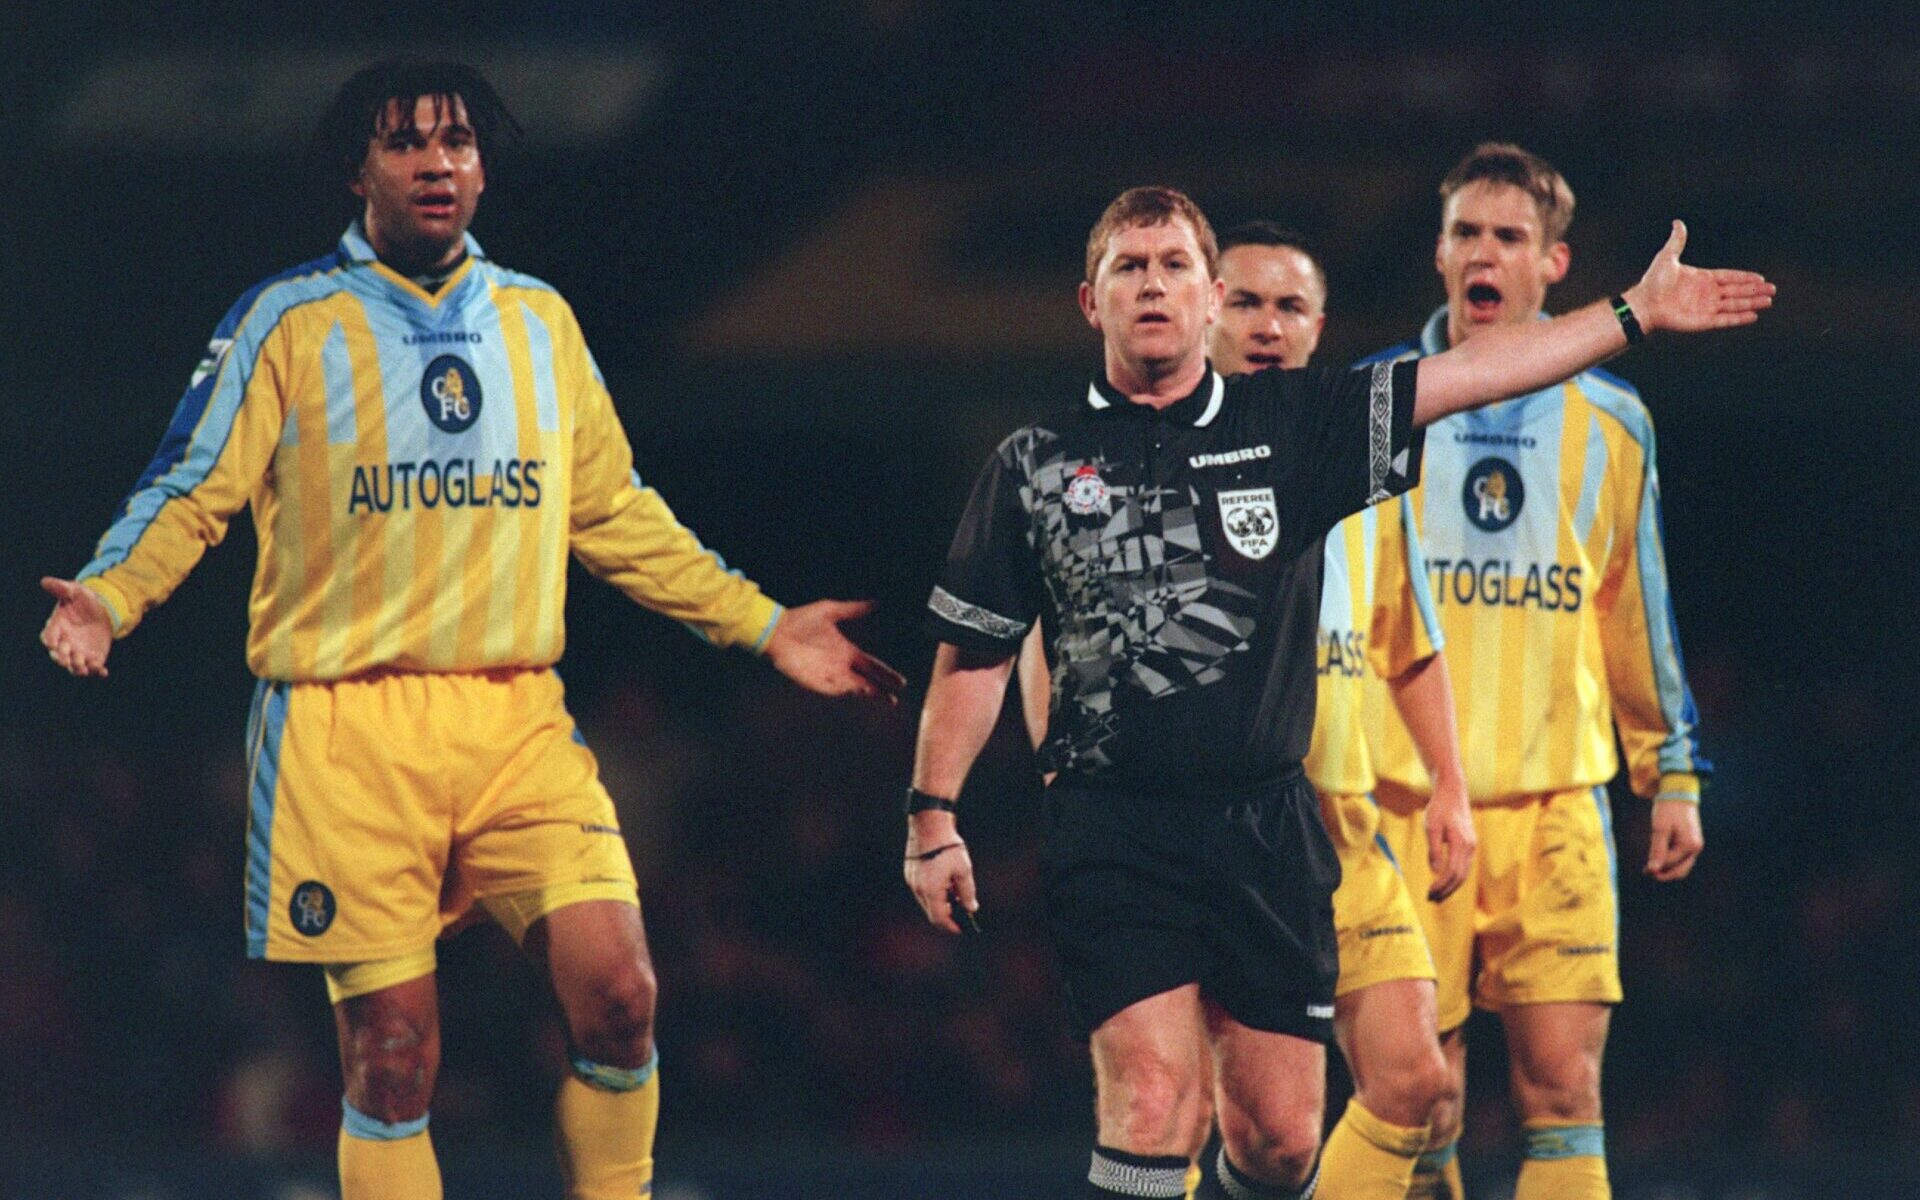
column 1087, row 492
column 1252, row 521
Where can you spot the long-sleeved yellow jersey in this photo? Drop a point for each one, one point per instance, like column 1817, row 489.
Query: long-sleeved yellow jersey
column 1540, row 521
column 1376, row 621
column 419, row 467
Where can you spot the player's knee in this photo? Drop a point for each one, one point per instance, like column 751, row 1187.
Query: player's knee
column 1277, row 1143
column 1160, row 1104
column 1564, row 1088
column 1419, row 1091
column 615, row 1025
column 390, row 1065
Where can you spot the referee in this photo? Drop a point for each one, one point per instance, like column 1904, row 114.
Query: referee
column 1166, row 532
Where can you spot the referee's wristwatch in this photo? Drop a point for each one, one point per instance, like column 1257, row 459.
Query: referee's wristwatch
column 919, row 801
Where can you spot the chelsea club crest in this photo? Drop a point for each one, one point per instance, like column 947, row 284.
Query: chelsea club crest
column 1086, row 492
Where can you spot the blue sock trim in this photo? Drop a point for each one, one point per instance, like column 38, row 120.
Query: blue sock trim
column 1434, row 1161
column 360, row 1125
column 1567, row 1141
column 615, row 1079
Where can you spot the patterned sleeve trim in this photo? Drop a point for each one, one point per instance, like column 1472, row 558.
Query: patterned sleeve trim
column 1380, row 432
column 971, row 616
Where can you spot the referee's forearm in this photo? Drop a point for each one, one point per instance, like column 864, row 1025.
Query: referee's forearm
column 962, row 707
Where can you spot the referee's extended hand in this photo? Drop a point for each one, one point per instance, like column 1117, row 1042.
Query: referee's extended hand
column 1683, row 299
column 79, row 633
column 808, row 648
column 938, row 867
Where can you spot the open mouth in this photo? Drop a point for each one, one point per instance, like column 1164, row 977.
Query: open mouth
column 1483, row 299
column 1265, row 358
column 434, row 204
column 1153, row 318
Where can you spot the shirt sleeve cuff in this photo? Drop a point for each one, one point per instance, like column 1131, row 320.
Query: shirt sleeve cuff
column 117, row 606
column 951, row 619
column 1678, row 785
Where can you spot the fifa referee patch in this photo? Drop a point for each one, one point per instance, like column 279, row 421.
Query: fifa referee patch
column 311, row 909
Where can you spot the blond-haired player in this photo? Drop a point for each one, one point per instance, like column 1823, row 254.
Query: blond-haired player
column 1540, row 518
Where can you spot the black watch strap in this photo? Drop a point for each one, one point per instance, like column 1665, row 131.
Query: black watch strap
column 1629, row 324
column 919, row 801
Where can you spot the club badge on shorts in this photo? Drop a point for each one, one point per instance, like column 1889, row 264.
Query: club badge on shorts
column 1252, row 521
column 311, row 909
column 1087, row 492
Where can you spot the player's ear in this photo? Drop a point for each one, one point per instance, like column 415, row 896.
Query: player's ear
column 1440, row 253
column 1559, row 258
column 1086, row 305
column 1216, row 296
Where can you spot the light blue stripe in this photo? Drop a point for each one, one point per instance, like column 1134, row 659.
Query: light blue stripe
column 1605, row 806
column 1593, row 474
column 1380, row 840
column 760, row 643
column 216, row 422
column 1433, row 1161
column 1369, row 570
column 265, row 726
column 1336, row 585
column 1417, row 575
column 368, row 1129
column 1677, row 751
column 337, row 367
column 616, row 1079
column 1569, row 1141
column 540, row 350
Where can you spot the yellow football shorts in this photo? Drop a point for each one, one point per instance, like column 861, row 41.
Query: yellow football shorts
column 382, row 807
column 1373, row 914
column 1537, row 920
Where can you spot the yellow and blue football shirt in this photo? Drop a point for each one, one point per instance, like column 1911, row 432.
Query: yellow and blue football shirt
column 419, row 466
column 1376, row 619
column 1540, row 518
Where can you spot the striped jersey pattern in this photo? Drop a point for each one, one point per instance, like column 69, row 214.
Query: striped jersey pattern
column 1376, row 621
column 419, row 467
column 1540, row 519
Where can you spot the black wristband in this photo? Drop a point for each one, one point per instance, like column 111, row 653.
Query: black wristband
column 919, row 801
column 1629, row 323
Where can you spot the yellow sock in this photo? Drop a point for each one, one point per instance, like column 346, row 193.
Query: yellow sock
column 1565, row 1160
column 379, row 1161
column 1194, row 1176
column 1366, row 1158
column 1436, row 1173
column 604, row 1121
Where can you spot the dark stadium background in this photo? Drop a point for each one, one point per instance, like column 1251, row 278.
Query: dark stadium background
column 825, row 253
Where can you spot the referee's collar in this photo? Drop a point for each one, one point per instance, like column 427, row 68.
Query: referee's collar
column 1197, row 408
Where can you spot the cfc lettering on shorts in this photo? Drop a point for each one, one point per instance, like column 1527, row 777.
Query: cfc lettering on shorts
column 311, row 909
column 1342, row 652
column 1386, row 931
column 455, row 483
column 1504, row 583
column 1583, row 951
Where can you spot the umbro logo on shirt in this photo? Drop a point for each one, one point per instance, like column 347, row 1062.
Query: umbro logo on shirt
column 1227, row 458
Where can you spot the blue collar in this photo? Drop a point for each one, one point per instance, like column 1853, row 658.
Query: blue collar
column 355, row 246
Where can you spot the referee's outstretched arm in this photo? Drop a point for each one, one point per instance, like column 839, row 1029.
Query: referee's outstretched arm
column 1512, row 360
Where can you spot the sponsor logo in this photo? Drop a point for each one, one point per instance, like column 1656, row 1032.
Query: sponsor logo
column 449, row 335
column 1320, row 1012
column 1252, row 521
column 1493, row 494
column 450, row 392
column 1583, row 951
column 1495, row 439
column 1343, row 652
column 1228, row 457
column 1554, row 587
column 210, row 362
column 1086, row 492
column 311, row 909
column 589, row 828
column 456, row 483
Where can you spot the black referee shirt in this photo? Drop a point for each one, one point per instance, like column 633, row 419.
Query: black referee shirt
column 1174, row 557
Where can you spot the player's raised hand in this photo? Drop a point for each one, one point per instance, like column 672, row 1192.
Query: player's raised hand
column 808, row 648
column 1450, row 838
column 1682, row 299
column 938, row 869
column 1677, row 840
column 79, row 632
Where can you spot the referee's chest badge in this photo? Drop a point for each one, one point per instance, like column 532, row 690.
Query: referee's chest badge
column 1087, row 492
column 1252, row 521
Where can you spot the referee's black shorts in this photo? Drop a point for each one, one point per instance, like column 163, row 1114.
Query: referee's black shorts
column 1146, row 893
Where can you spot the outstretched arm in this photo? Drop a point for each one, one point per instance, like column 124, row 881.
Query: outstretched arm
column 1424, row 695
column 80, row 632
column 807, row 647
column 963, row 704
column 1512, row 360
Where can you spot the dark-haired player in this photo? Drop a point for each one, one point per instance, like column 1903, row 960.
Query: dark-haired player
column 424, row 439
column 1165, row 530
column 1541, row 521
